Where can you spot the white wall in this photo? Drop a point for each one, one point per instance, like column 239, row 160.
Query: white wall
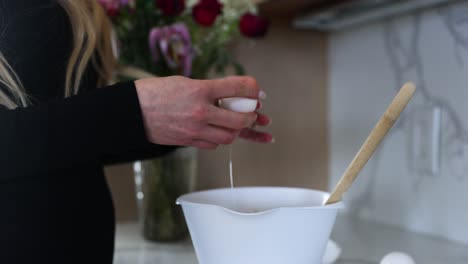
column 401, row 185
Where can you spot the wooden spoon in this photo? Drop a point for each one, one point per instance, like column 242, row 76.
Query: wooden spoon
column 372, row 142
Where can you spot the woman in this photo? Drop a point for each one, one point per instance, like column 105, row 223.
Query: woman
column 57, row 130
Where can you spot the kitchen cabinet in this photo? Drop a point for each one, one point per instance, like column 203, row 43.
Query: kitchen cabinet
column 362, row 242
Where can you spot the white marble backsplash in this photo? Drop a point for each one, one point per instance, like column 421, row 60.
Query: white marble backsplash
column 418, row 179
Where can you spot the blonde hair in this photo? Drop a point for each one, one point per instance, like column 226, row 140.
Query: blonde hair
column 10, row 80
column 92, row 42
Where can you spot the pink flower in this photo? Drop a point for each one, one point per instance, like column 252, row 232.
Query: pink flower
column 174, row 43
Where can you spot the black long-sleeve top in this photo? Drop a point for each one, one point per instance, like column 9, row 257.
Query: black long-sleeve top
column 55, row 206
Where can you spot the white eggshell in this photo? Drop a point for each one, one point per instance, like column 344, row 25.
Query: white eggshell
column 332, row 253
column 241, row 105
column 397, row 258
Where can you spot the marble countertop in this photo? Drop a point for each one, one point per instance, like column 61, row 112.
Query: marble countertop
column 362, row 242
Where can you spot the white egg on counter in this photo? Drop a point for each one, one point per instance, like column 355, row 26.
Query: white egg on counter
column 237, row 104
column 397, row 258
column 332, row 253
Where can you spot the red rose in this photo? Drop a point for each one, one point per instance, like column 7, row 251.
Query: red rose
column 112, row 7
column 171, row 7
column 113, row 12
column 253, row 26
column 206, row 12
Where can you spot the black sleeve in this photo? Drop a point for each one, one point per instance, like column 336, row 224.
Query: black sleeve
column 142, row 151
column 146, row 152
column 98, row 125
column 65, row 133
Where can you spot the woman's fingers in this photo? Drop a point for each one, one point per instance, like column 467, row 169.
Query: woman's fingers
column 211, row 137
column 229, row 119
column 263, row 120
column 218, row 135
column 256, row 136
column 236, row 86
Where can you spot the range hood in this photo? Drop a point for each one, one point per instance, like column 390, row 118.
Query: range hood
column 346, row 14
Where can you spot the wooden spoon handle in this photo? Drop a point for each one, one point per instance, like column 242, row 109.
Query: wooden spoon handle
column 373, row 140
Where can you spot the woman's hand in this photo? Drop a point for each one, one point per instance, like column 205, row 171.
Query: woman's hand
column 182, row 111
column 258, row 136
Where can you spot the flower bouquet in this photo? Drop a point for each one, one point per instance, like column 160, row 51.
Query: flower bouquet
column 177, row 37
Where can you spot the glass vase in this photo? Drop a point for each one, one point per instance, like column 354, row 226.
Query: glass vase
column 159, row 182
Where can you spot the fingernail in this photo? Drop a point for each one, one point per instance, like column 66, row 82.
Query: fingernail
column 262, row 95
column 271, row 122
column 259, row 105
column 273, row 140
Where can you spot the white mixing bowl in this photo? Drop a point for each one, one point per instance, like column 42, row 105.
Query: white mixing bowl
column 259, row 225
